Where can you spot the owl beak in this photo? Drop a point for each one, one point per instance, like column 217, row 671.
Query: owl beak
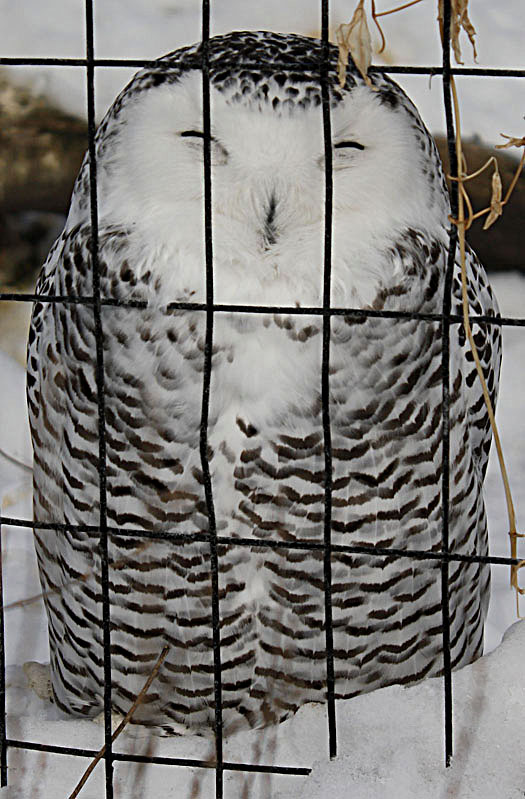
column 269, row 227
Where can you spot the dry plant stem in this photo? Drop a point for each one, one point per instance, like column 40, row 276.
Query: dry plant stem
column 123, row 723
column 463, row 179
column 398, row 8
column 466, row 322
column 354, row 38
column 511, row 187
column 375, row 16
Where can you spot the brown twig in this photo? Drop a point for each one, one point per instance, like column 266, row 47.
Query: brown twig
column 375, row 16
column 398, row 8
column 499, row 203
column 123, row 723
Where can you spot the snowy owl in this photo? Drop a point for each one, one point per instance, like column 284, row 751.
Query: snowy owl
column 265, row 432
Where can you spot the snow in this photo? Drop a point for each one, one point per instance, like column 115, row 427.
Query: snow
column 146, row 30
column 390, row 745
column 15, row 441
column 510, row 291
column 390, row 741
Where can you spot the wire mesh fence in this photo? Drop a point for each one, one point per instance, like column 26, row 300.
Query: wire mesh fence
column 444, row 557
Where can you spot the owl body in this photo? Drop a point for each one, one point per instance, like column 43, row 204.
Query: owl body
column 265, row 431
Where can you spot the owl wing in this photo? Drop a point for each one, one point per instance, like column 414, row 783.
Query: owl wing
column 152, row 386
column 487, row 338
column 44, row 392
column 61, row 395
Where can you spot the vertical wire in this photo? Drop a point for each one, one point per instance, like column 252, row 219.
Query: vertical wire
column 204, row 454
column 445, row 378
column 325, row 382
column 3, row 720
column 99, row 374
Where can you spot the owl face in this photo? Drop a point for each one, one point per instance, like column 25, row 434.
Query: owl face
column 268, row 178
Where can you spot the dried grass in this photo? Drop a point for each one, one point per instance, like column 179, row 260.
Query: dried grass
column 376, row 15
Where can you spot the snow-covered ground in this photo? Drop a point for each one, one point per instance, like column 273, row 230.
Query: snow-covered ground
column 390, row 746
column 391, row 741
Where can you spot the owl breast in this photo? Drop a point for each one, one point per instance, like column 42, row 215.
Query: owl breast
column 268, row 365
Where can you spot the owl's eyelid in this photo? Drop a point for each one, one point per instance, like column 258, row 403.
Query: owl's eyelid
column 357, row 145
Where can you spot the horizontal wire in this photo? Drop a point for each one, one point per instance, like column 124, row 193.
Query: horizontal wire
column 290, row 310
column 158, row 760
column 137, row 63
column 349, row 549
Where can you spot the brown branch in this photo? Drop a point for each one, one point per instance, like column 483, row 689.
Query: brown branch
column 123, row 723
column 379, row 28
column 375, row 16
column 398, row 8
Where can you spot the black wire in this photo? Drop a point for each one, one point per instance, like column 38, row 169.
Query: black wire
column 139, row 63
column 206, row 380
column 350, row 549
column 445, row 381
column 165, row 761
column 99, row 339
column 325, row 382
column 291, row 310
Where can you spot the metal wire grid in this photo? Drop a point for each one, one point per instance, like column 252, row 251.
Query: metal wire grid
column 446, row 319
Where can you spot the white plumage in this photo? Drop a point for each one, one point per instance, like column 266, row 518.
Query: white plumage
column 390, row 239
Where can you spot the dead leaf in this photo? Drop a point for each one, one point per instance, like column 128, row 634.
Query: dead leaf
column 354, row 38
column 496, row 207
column 459, row 21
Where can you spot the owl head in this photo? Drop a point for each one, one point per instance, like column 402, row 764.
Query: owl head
column 268, row 170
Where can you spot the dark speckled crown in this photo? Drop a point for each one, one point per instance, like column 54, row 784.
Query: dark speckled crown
column 261, row 66
column 280, row 69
